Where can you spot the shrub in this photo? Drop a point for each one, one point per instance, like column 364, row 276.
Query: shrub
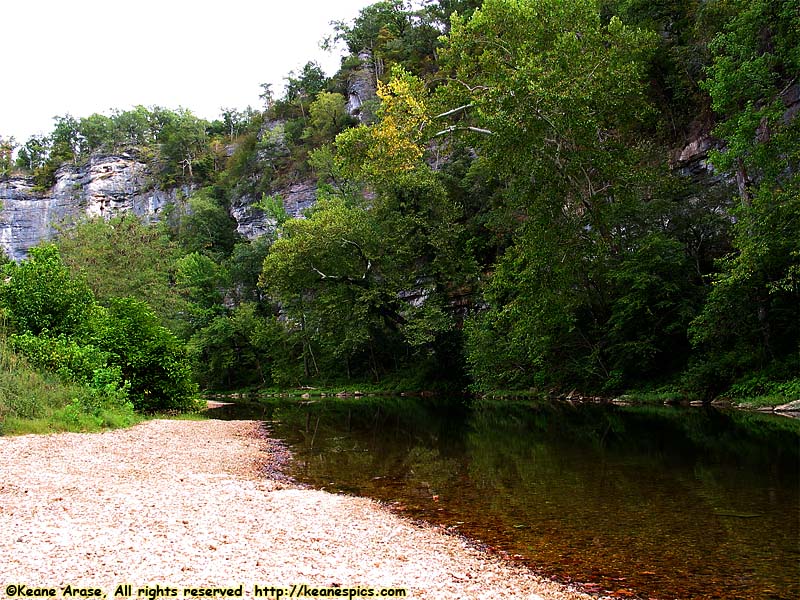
column 151, row 358
column 41, row 295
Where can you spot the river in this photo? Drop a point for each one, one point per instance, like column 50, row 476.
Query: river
column 649, row 502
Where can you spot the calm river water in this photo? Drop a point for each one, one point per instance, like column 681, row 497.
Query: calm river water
column 655, row 502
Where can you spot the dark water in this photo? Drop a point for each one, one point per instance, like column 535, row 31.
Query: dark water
column 653, row 502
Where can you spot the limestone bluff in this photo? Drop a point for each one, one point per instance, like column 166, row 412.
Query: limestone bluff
column 110, row 184
column 105, row 186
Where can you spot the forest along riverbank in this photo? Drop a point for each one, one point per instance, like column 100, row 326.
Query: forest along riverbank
column 185, row 503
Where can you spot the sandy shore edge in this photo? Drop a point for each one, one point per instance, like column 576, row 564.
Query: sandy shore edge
column 201, row 503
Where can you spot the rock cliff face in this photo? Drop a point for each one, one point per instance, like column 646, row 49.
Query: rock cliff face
column 252, row 222
column 361, row 89
column 109, row 185
column 104, row 187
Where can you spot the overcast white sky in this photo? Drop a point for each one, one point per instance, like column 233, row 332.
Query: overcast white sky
column 86, row 56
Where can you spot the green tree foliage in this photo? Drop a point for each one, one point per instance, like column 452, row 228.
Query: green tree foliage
column 244, row 267
column 33, row 153
column 751, row 319
column 684, row 28
column 120, row 349
column 7, row 147
column 362, row 285
column 389, row 17
column 755, row 60
column 61, row 355
column 243, row 348
column 41, row 295
column 328, row 116
column 183, row 148
column 306, row 85
column 32, row 399
column 206, row 226
column 96, row 132
column 554, row 98
column 201, row 281
column 151, row 358
column 321, row 272
column 394, row 34
column 124, row 257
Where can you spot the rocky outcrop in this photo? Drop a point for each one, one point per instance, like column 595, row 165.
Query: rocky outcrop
column 107, row 185
column 253, row 222
column 112, row 184
column 361, row 89
column 693, row 159
column 296, row 196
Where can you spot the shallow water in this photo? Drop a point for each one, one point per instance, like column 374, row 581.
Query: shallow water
column 653, row 502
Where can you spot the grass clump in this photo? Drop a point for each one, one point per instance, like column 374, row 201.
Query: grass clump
column 35, row 402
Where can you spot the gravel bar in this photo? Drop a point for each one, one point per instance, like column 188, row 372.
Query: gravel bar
column 201, row 504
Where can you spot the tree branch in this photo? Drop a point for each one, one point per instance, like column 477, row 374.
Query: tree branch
column 454, row 111
column 367, row 262
column 453, row 128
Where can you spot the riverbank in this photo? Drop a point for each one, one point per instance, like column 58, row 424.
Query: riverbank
column 202, row 503
column 776, row 404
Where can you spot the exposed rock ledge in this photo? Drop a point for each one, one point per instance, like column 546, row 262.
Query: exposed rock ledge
column 106, row 185
column 183, row 503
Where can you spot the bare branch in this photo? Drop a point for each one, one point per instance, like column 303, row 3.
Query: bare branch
column 321, row 274
column 367, row 262
column 454, row 111
column 453, row 128
column 471, row 88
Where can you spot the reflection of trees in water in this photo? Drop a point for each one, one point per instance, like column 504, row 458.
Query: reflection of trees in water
column 429, row 473
column 687, row 497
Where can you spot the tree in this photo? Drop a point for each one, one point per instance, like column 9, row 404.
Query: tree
column 7, row 147
column 125, row 257
column 202, row 282
column 302, row 89
column 267, row 95
column 151, row 358
column 96, row 132
column 65, row 143
column 552, row 97
column 41, row 295
column 182, row 145
column 369, row 285
column 234, row 122
column 328, row 116
column 751, row 318
column 320, row 271
column 391, row 34
column 206, row 226
column 363, row 34
column 239, row 349
column 395, row 143
column 136, row 127
column 33, row 153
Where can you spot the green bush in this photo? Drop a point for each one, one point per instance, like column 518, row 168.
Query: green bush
column 41, row 295
column 36, row 402
column 114, row 354
column 151, row 358
column 64, row 357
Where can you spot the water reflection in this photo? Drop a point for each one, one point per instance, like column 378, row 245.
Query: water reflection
column 658, row 501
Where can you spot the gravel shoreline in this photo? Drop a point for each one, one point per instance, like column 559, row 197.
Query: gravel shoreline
column 201, row 504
